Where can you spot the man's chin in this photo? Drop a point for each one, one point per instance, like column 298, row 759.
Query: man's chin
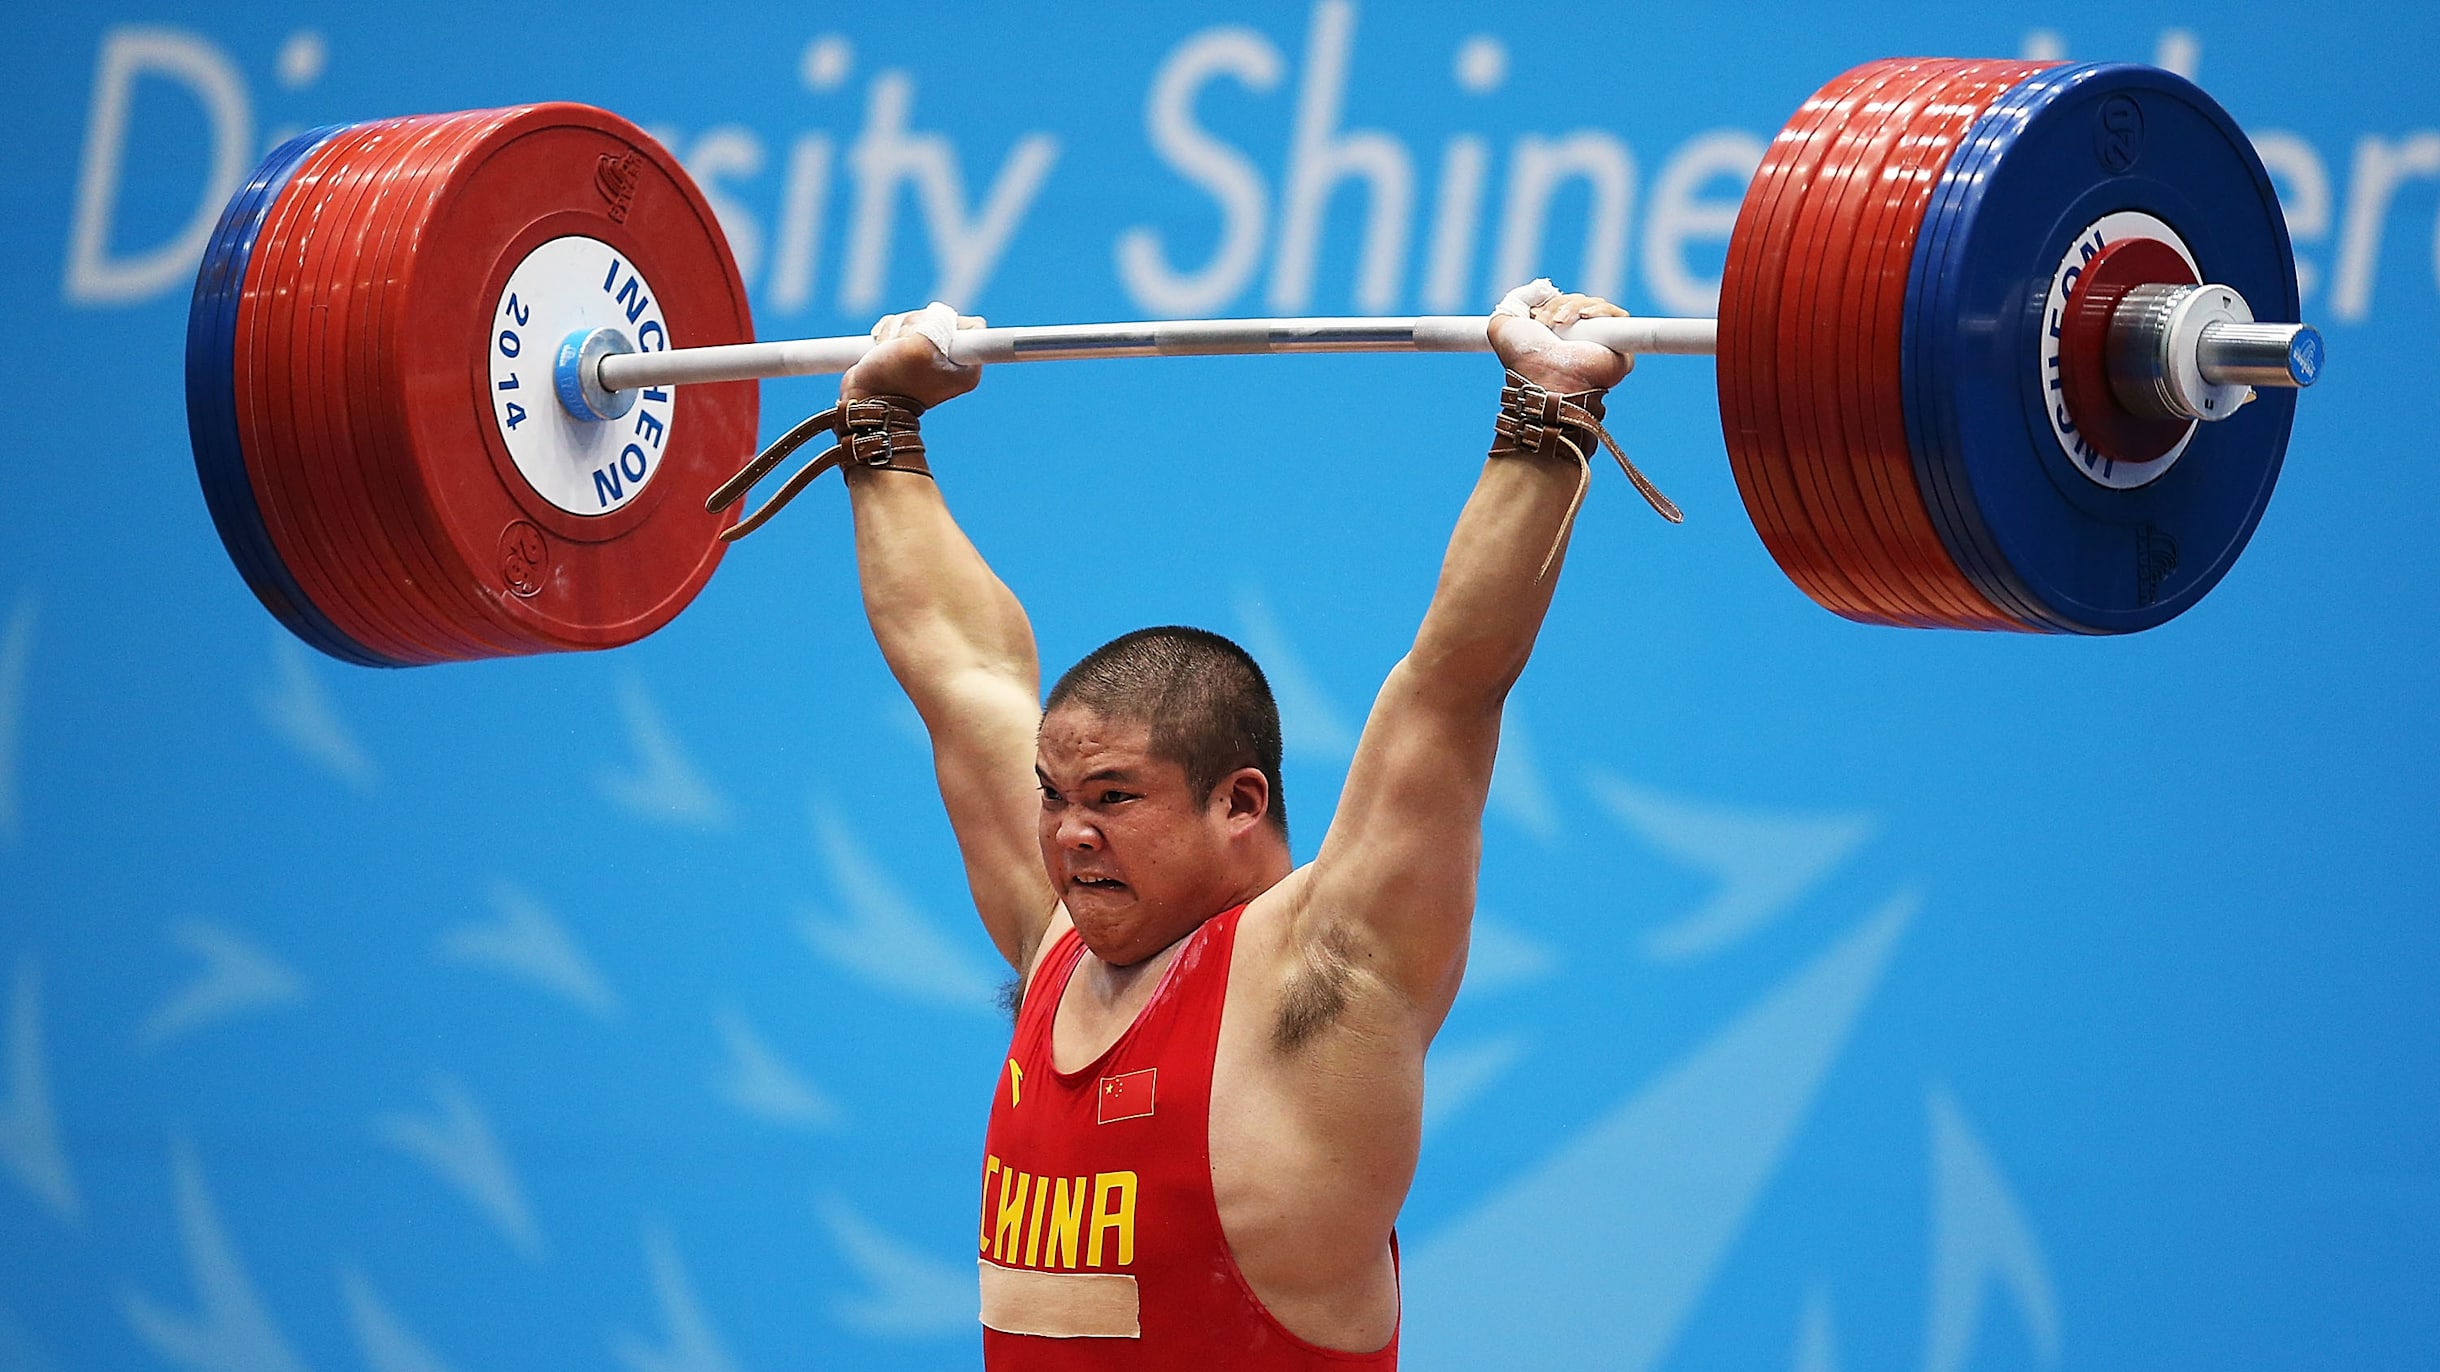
column 1110, row 923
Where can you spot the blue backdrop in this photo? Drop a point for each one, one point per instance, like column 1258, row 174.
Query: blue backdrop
column 1843, row 998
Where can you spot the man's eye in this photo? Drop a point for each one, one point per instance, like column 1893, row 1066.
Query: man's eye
column 1115, row 797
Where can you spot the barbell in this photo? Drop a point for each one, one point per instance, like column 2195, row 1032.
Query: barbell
column 1987, row 353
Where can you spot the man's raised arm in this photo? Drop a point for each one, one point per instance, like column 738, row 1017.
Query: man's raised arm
column 1391, row 895
column 958, row 642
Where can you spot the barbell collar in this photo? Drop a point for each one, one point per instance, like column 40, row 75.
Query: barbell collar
column 1633, row 335
column 2195, row 352
column 576, row 374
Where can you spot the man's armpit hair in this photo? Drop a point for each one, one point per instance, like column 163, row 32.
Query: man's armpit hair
column 1317, row 993
column 1011, row 997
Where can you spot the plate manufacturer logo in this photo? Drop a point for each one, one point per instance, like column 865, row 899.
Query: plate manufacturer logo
column 2155, row 560
column 617, row 178
column 571, row 285
column 525, row 558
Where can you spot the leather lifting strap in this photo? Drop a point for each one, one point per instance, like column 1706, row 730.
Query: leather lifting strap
column 1533, row 422
column 878, row 431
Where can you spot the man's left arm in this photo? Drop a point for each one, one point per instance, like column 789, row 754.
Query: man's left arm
column 1390, row 897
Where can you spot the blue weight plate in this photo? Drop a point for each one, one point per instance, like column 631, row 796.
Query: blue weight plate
column 2048, row 159
column 211, row 409
column 1928, row 405
column 1928, row 391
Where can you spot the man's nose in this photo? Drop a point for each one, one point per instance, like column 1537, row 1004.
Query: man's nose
column 1076, row 832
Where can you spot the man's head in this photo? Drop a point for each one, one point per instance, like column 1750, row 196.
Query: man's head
column 1159, row 760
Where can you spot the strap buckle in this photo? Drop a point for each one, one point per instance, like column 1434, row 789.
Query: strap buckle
column 1535, row 422
column 877, row 431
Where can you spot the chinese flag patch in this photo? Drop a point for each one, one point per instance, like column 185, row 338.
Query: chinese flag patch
column 1127, row 1096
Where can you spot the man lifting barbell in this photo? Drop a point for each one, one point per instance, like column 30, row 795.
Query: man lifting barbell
column 2001, row 345
column 1212, row 1104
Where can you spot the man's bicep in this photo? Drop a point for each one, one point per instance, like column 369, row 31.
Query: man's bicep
column 983, row 758
column 1399, row 862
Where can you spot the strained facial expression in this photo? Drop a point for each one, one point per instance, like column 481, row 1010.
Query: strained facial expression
column 1137, row 856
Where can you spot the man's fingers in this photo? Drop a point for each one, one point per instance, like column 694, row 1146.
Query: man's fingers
column 1562, row 310
column 935, row 321
column 1525, row 333
column 1521, row 302
column 910, row 357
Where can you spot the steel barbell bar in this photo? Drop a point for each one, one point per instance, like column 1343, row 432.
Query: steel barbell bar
column 2270, row 355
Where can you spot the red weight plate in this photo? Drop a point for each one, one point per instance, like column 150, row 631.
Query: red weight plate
column 351, row 460
column 277, row 287
column 315, row 391
column 1826, row 225
column 359, row 528
column 350, row 530
column 2084, row 377
column 1863, row 408
column 1750, row 318
column 1746, row 315
column 1880, row 443
column 1864, row 236
column 356, row 529
column 1803, row 344
column 376, row 469
column 1873, row 403
column 382, row 471
column 396, row 473
column 1891, row 139
column 258, row 349
column 1796, row 343
column 538, row 174
column 1751, row 297
column 1784, row 355
column 404, row 477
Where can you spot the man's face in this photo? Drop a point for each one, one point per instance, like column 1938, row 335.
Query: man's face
column 1137, row 856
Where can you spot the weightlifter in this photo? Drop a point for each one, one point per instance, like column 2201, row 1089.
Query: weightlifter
column 1212, row 1103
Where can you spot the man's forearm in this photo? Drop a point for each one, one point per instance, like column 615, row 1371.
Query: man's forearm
column 1494, row 589
column 1503, row 559
column 937, row 610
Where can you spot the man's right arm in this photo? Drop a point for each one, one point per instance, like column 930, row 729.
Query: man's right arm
column 961, row 648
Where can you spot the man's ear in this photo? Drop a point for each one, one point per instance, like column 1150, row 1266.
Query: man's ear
column 1245, row 795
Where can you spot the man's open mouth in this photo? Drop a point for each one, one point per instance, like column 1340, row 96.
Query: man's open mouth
column 1099, row 883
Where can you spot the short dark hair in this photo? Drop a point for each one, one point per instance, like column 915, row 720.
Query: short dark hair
column 1208, row 706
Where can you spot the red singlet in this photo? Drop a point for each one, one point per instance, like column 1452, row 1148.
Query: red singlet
column 1099, row 1230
